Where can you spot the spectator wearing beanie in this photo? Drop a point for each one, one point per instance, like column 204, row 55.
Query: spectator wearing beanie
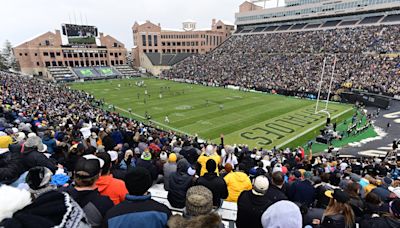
column 107, row 185
column 237, row 182
column 146, row 162
column 138, row 210
column 282, row 214
column 85, row 193
column 32, row 155
column 189, row 152
column 50, row 209
column 198, row 212
column 208, row 154
column 179, row 183
column 253, row 203
column 168, row 169
column 38, row 180
column 215, row 183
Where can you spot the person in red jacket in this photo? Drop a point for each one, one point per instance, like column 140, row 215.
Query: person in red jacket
column 107, row 185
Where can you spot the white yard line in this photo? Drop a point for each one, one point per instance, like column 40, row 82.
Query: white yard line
column 311, row 129
column 156, row 122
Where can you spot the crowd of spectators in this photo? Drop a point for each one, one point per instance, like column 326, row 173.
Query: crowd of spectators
column 286, row 62
column 65, row 162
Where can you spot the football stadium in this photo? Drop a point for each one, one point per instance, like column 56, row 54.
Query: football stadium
column 254, row 119
column 288, row 117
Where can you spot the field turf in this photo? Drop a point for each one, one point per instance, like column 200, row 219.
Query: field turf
column 255, row 119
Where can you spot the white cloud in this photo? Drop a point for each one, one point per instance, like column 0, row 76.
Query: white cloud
column 23, row 19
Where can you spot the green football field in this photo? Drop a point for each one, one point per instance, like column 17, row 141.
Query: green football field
column 255, row 119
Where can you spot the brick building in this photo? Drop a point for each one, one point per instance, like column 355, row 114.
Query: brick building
column 151, row 38
column 58, row 49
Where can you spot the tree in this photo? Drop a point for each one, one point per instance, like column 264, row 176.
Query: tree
column 3, row 63
column 10, row 62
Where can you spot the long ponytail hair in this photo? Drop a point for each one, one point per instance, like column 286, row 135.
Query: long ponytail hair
column 335, row 208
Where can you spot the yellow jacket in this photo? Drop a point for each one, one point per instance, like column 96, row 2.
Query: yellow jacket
column 202, row 160
column 237, row 182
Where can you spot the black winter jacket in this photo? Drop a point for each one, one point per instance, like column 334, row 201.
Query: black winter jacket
column 216, row 185
column 11, row 167
column 179, row 183
column 250, row 209
column 32, row 158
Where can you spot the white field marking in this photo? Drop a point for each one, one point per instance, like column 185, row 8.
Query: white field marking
column 373, row 153
column 204, row 122
column 156, row 122
column 183, row 107
column 178, row 114
column 311, row 129
column 385, row 148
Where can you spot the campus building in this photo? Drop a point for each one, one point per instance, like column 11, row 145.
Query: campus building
column 151, row 38
column 71, row 47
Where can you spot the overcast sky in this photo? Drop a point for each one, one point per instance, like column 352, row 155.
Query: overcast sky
column 21, row 20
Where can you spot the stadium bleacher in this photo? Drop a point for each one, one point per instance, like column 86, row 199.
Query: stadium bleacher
column 162, row 59
column 61, row 74
column 127, row 71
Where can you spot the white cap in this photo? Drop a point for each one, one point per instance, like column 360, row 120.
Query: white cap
column 260, row 185
column 15, row 130
column 30, row 135
column 209, row 150
column 277, row 168
column 113, row 155
column 44, row 149
column 91, row 156
column 396, row 191
column 163, row 156
column 20, row 136
column 191, row 171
